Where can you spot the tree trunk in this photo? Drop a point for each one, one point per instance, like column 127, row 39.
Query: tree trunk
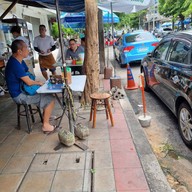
column 91, row 61
column 101, row 41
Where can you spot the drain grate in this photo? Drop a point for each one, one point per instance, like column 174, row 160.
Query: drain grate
column 67, row 171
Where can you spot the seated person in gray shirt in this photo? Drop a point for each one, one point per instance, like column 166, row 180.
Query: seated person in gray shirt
column 73, row 53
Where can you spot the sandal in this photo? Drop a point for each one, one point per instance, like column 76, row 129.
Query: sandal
column 49, row 132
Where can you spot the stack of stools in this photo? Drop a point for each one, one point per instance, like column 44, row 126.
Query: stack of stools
column 28, row 112
column 100, row 99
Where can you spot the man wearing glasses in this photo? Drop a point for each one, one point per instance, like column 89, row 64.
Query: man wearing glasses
column 73, row 53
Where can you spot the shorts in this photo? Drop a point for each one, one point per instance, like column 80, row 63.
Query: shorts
column 45, row 69
column 40, row 100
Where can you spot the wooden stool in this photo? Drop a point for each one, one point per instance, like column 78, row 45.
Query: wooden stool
column 104, row 98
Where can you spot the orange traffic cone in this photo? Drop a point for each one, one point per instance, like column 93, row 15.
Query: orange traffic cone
column 130, row 80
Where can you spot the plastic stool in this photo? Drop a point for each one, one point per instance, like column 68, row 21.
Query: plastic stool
column 104, row 100
column 28, row 112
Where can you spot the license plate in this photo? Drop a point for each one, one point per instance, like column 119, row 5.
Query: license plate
column 143, row 49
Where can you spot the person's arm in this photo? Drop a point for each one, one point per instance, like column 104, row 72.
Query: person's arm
column 53, row 48
column 30, row 82
column 37, row 49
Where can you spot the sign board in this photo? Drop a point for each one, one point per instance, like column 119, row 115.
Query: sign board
column 130, row 2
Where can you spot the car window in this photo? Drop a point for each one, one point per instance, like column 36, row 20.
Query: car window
column 161, row 51
column 138, row 37
column 179, row 52
column 167, row 29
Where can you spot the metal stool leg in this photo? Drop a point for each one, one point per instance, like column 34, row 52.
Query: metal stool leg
column 27, row 118
column 18, row 116
column 40, row 115
column 31, row 113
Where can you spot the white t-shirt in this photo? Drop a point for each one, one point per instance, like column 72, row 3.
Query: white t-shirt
column 43, row 44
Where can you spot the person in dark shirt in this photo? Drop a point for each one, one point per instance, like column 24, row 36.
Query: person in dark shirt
column 15, row 73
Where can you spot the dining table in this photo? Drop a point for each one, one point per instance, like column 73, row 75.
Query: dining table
column 77, row 85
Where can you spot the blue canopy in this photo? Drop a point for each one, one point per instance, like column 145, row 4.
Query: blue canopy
column 64, row 5
column 80, row 17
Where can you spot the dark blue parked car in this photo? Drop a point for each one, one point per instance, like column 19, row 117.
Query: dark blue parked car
column 168, row 72
column 133, row 47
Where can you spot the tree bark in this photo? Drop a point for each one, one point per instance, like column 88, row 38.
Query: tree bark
column 91, row 62
column 101, row 41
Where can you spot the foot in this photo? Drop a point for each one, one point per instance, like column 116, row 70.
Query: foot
column 48, row 128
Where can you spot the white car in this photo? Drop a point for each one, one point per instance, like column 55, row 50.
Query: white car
column 164, row 31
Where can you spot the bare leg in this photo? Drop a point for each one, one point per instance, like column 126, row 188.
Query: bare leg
column 46, row 115
column 44, row 73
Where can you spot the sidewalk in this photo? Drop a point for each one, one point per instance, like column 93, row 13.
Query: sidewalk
column 119, row 158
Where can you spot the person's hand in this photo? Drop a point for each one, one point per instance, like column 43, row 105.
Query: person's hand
column 40, row 83
column 42, row 52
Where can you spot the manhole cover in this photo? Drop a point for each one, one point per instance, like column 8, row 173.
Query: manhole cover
column 69, row 171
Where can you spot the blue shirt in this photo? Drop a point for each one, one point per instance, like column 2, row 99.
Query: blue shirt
column 74, row 55
column 14, row 70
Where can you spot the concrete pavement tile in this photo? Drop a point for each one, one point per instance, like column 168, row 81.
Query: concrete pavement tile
column 50, row 142
column 125, row 159
column 130, row 179
column 45, row 162
column 145, row 190
column 11, row 143
column 103, row 159
column 119, row 134
column 98, row 133
column 120, row 125
column 31, row 144
column 13, row 140
column 104, row 180
column 68, row 181
column 3, row 137
column 18, row 164
column 28, row 148
column 68, row 161
column 10, row 182
column 3, row 161
column 37, row 181
column 34, row 138
column 99, row 145
column 101, row 121
column 122, row 145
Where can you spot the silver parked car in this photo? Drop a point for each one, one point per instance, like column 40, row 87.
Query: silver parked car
column 163, row 31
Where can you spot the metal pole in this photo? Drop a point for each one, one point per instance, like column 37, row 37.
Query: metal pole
column 71, row 128
column 61, row 41
column 8, row 9
column 113, row 35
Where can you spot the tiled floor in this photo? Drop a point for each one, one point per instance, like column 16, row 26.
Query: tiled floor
column 116, row 164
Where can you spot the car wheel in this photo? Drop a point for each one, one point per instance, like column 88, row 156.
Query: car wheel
column 185, row 123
